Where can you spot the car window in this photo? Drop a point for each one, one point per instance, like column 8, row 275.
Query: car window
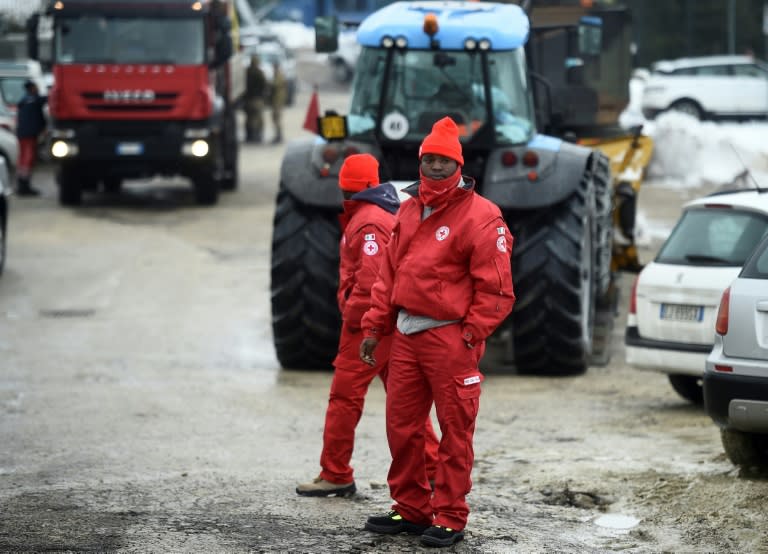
column 12, row 89
column 748, row 70
column 712, row 70
column 757, row 266
column 713, row 237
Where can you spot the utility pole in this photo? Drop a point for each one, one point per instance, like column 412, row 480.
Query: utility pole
column 731, row 26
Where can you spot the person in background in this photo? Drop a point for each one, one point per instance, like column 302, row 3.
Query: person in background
column 30, row 124
column 444, row 286
column 369, row 213
column 255, row 94
column 278, row 100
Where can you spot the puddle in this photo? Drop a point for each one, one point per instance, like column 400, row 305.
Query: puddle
column 618, row 522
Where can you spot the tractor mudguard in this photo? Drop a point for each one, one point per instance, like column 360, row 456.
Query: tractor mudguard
column 558, row 174
column 300, row 177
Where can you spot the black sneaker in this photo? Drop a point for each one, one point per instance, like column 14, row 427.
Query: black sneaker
column 441, row 536
column 392, row 523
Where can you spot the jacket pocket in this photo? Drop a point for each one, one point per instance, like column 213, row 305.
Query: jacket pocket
column 468, row 385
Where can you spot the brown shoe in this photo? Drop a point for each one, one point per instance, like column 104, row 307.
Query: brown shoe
column 321, row 487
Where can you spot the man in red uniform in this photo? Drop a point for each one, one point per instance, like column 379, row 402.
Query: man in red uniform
column 366, row 223
column 444, row 285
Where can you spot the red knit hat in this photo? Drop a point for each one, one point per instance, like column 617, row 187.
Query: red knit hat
column 443, row 140
column 358, row 172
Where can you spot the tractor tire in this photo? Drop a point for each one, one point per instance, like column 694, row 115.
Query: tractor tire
column 747, row 450
column 70, row 187
column 601, row 176
column 306, row 322
column 553, row 267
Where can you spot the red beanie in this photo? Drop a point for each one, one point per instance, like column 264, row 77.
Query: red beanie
column 443, row 140
column 359, row 171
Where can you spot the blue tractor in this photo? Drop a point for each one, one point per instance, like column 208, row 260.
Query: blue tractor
column 421, row 61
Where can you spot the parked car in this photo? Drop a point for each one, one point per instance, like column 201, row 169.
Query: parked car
column 674, row 299
column 344, row 60
column 736, row 376
column 710, row 87
column 9, row 144
column 5, row 192
column 271, row 50
column 13, row 75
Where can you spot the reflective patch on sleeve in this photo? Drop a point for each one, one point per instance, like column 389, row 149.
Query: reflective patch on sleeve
column 370, row 236
column 371, row 248
column 472, row 380
column 501, row 244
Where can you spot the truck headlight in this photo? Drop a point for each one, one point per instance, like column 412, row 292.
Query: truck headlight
column 63, row 149
column 198, row 148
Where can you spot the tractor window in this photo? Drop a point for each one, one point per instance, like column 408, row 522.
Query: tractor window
column 424, row 86
column 130, row 40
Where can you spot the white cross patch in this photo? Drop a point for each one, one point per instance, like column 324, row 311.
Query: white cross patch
column 370, row 236
column 442, row 233
column 370, row 248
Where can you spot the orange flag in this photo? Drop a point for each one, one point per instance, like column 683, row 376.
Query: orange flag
column 313, row 112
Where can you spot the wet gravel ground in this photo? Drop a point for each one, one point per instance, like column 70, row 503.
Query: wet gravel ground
column 142, row 408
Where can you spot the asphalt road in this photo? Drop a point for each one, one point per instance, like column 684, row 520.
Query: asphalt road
column 142, row 408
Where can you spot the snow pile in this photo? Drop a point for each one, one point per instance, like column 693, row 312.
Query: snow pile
column 692, row 153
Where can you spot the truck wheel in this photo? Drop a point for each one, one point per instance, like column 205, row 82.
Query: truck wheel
column 553, row 268
column 70, row 188
column 206, row 186
column 230, row 155
column 112, row 185
column 689, row 387
column 305, row 276
column 745, row 449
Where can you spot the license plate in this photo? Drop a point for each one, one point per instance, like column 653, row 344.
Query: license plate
column 130, row 148
column 681, row 312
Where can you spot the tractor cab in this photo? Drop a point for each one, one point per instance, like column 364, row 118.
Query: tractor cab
column 413, row 71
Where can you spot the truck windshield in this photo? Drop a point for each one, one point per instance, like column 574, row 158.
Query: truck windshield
column 424, row 86
column 98, row 39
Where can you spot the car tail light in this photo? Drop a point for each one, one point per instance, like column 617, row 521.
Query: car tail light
column 721, row 326
column 723, row 368
column 633, row 296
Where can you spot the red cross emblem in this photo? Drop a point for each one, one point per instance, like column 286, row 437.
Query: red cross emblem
column 370, row 248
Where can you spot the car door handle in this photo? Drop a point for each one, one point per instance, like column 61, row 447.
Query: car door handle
column 762, row 306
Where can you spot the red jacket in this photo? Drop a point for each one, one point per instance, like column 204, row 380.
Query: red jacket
column 454, row 265
column 366, row 226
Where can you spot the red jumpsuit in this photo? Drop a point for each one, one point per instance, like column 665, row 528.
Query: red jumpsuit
column 366, row 227
column 452, row 266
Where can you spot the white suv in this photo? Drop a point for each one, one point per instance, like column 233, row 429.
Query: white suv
column 711, row 87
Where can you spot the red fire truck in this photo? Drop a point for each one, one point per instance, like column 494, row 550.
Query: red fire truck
column 141, row 88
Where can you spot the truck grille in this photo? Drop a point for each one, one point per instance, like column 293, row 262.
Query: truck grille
column 129, row 101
